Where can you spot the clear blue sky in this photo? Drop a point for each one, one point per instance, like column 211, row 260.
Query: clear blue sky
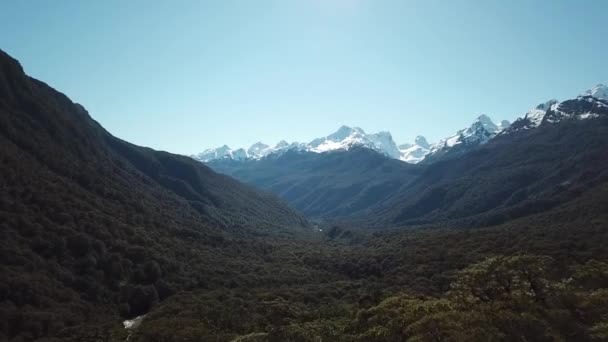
column 184, row 75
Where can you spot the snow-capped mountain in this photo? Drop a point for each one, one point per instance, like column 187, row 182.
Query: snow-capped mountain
column 343, row 139
column 590, row 104
column 221, row 152
column 600, row 92
column 258, row 149
column 536, row 114
column 346, row 137
column 480, row 132
column 255, row 151
column 415, row 153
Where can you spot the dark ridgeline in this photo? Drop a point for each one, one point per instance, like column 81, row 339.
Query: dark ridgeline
column 95, row 230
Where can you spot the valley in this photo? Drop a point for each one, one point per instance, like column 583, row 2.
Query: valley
column 500, row 238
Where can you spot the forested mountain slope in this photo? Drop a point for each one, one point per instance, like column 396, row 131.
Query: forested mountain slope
column 514, row 175
column 537, row 278
column 332, row 184
column 92, row 225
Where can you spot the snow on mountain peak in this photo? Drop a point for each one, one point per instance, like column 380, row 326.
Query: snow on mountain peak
column 484, row 122
column 383, row 141
column 422, row 142
column 221, row 152
column 554, row 111
column 485, row 119
column 481, row 131
column 346, row 137
column 281, row 144
column 600, row 91
column 414, row 153
column 547, row 105
column 535, row 115
column 343, row 133
column 257, row 149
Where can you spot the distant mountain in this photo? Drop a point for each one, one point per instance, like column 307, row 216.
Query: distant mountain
column 337, row 183
column 416, row 152
column 549, row 156
column 343, row 139
column 346, row 137
column 590, row 104
column 482, row 130
column 484, row 173
column 600, row 92
column 513, row 175
column 255, row 151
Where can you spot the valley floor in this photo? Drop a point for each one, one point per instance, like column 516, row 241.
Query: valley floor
column 533, row 279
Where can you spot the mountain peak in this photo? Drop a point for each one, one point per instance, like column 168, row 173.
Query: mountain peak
column 259, row 144
column 535, row 116
column 422, row 142
column 257, row 150
column 546, row 105
column 484, row 118
column 600, row 91
column 343, row 132
column 346, row 137
column 414, row 153
column 485, row 123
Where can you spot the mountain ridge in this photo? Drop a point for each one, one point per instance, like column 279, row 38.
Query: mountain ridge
column 462, row 180
column 343, row 139
column 95, row 229
column 479, row 132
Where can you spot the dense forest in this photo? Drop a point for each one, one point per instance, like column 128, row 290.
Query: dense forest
column 95, row 231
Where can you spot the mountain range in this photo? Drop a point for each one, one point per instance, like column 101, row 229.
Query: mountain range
column 346, row 137
column 480, row 132
column 485, row 168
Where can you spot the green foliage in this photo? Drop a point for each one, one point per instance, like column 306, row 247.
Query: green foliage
column 94, row 230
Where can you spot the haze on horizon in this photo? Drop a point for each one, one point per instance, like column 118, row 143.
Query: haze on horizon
column 198, row 74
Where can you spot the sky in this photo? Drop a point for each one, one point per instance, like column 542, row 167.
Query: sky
column 184, row 76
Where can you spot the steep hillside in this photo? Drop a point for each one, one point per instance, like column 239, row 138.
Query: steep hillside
column 92, row 226
column 514, row 175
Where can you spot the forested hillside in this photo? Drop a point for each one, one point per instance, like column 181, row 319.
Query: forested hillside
column 539, row 278
column 95, row 230
column 93, row 226
column 514, row 175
